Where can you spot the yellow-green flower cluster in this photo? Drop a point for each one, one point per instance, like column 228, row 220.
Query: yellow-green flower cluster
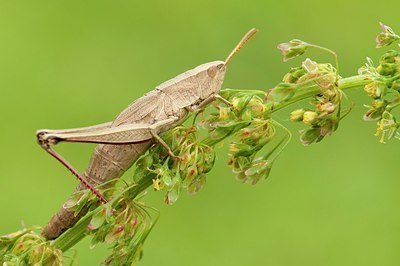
column 322, row 119
column 384, row 90
column 28, row 247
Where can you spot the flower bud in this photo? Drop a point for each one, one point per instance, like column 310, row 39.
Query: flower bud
column 387, row 69
column 309, row 117
column 389, row 57
column 297, row 115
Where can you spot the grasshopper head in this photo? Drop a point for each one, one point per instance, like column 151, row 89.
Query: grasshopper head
column 210, row 77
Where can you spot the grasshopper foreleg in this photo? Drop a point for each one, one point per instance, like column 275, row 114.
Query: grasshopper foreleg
column 197, row 109
column 155, row 128
column 222, row 99
column 204, row 103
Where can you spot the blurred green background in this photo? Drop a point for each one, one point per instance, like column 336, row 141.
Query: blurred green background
column 68, row 64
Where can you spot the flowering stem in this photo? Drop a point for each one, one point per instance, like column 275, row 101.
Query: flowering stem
column 78, row 232
column 354, row 81
column 344, row 84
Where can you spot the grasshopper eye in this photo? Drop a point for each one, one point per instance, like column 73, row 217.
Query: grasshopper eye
column 220, row 66
column 212, row 71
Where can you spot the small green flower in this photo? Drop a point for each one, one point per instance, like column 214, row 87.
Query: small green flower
column 292, row 49
column 376, row 110
column 374, row 89
column 377, row 104
column 258, row 170
column 386, row 37
column 308, row 136
column 387, row 127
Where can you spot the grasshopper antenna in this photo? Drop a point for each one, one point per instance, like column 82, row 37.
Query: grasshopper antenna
column 242, row 42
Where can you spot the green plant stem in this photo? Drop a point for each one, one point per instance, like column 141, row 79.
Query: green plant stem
column 78, row 232
column 354, row 82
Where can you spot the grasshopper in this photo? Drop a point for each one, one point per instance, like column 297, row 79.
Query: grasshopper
column 135, row 129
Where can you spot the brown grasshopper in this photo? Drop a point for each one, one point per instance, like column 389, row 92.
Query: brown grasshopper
column 135, row 129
